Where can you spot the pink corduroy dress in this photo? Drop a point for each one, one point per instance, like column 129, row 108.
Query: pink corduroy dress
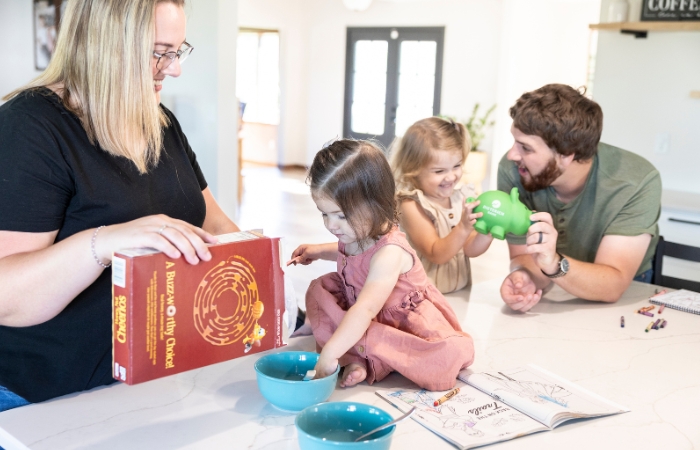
column 416, row 333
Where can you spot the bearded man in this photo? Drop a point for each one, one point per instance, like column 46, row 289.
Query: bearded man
column 597, row 206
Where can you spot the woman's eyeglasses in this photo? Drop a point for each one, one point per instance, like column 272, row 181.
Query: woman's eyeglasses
column 165, row 59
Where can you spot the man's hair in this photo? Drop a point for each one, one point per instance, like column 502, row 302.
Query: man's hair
column 356, row 176
column 563, row 117
column 103, row 59
column 415, row 150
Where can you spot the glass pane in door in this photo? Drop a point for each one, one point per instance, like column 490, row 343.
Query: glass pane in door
column 369, row 87
column 416, row 83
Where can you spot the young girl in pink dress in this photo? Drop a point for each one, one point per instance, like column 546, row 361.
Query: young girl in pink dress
column 379, row 312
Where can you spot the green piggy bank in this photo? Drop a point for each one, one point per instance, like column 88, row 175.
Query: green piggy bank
column 503, row 214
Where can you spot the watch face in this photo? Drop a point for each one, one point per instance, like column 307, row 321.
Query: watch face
column 564, row 265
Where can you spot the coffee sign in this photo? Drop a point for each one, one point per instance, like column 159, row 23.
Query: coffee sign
column 671, row 10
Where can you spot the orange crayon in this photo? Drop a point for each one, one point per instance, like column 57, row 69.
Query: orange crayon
column 446, row 397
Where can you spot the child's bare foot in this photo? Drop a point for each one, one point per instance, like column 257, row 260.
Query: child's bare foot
column 352, row 374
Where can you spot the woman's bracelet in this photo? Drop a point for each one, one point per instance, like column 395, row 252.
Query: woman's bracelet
column 92, row 246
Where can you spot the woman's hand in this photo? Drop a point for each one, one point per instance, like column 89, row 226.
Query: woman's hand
column 170, row 236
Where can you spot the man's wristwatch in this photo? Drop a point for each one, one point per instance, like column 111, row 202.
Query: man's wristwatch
column 563, row 267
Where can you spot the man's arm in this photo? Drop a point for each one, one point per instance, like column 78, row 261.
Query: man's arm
column 605, row 279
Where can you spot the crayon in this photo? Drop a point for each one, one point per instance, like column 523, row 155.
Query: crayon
column 622, row 321
column 661, row 308
column 446, row 397
column 659, row 292
column 645, row 313
column 651, row 324
column 663, row 324
column 656, row 324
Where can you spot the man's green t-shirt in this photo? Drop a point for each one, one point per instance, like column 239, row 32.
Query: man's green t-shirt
column 622, row 197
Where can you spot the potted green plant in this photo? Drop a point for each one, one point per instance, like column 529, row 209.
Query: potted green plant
column 476, row 125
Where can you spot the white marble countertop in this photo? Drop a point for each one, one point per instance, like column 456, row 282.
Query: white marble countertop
column 655, row 374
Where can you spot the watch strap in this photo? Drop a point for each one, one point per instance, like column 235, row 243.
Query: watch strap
column 558, row 273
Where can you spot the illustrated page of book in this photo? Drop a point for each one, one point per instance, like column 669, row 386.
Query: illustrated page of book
column 682, row 300
column 469, row 419
column 542, row 395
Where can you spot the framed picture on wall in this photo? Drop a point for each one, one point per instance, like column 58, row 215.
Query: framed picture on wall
column 47, row 17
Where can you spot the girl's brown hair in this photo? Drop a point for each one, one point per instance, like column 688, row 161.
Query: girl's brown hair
column 414, row 150
column 356, row 176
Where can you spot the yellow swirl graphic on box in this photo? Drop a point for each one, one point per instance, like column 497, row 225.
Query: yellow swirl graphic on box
column 227, row 305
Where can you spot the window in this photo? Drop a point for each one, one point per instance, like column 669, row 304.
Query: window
column 392, row 79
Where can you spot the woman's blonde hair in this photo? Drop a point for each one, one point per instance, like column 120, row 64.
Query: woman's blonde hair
column 413, row 151
column 103, row 61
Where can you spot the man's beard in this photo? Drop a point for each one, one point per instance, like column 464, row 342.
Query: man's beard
column 544, row 179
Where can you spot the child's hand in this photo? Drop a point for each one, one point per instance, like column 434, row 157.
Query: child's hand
column 468, row 216
column 325, row 366
column 305, row 254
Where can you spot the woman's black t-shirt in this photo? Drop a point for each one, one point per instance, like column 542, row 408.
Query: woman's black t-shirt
column 53, row 178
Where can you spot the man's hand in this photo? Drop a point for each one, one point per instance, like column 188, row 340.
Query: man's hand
column 542, row 242
column 519, row 291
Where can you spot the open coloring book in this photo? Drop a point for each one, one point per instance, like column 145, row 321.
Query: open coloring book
column 497, row 406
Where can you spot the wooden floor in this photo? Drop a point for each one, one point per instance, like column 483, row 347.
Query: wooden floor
column 279, row 202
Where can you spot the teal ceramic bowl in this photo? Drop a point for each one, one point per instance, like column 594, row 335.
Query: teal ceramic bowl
column 335, row 426
column 280, row 380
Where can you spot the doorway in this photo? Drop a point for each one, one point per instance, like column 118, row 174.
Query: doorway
column 392, row 79
column 258, row 92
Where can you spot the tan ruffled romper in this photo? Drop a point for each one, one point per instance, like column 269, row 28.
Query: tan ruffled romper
column 454, row 274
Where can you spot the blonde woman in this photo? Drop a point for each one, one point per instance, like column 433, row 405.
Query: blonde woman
column 427, row 164
column 91, row 163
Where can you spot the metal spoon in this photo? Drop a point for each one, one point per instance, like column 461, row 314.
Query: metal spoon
column 387, row 425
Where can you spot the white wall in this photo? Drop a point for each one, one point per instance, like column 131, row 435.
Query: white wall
column 494, row 51
column 203, row 98
column 543, row 41
column 17, row 36
column 313, row 33
column 470, row 55
column 643, row 86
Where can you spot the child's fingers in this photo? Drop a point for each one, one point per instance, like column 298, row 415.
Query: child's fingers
column 292, row 261
column 470, row 206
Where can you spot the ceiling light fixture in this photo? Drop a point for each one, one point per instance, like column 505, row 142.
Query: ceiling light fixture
column 357, row 5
